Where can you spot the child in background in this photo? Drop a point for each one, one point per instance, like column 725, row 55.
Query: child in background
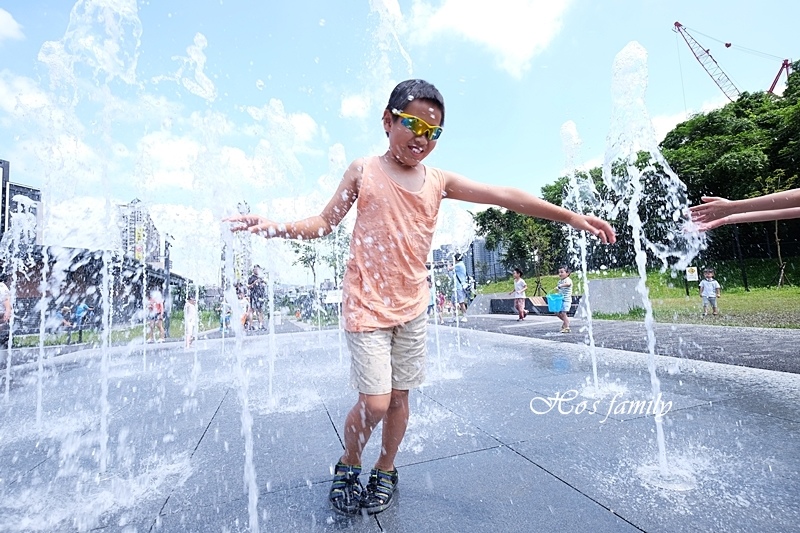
column 519, row 294
column 190, row 320
column 244, row 307
column 709, row 291
column 564, row 287
column 385, row 291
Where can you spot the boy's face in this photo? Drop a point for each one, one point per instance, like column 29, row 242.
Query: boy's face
column 562, row 273
column 709, row 275
column 406, row 147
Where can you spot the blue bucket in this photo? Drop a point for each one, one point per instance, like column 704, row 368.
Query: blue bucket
column 555, row 303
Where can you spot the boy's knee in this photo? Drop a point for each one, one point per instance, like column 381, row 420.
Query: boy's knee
column 375, row 406
column 399, row 397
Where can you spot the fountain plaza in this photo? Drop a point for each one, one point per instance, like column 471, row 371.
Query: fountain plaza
column 508, row 434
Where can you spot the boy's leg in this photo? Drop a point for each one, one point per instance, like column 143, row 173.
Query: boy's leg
column 371, row 373
column 346, row 491
column 564, row 321
column 408, row 372
column 395, row 423
column 368, row 411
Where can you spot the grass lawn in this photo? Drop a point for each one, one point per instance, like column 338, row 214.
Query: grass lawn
column 763, row 307
column 124, row 335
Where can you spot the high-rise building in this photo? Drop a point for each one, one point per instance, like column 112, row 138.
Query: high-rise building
column 20, row 200
column 139, row 236
column 443, row 254
column 484, row 264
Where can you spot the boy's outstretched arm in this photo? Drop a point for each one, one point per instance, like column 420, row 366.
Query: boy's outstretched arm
column 311, row 227
column 457, row 187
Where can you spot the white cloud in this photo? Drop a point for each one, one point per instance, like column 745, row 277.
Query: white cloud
column 663, row 124
column 355, row 106
column 10, row 29
column 514, row 30
column 166, row 160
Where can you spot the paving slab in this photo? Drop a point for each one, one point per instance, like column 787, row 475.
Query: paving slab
column 768, row 348
column 476, row 457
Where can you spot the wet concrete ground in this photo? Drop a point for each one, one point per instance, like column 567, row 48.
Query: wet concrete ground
column 508, row 434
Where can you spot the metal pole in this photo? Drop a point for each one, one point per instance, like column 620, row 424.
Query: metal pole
column 739, row 257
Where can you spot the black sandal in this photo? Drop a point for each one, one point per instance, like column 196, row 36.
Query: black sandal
column 380, row 488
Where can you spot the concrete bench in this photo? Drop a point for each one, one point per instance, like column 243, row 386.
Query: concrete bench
column 535, row 305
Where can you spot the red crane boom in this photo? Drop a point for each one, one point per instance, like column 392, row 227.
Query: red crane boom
column 784, row 66
column 703, row 56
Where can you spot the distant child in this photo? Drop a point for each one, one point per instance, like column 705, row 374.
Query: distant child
column 709, row 291
column 431, row 298
column 440, row 299
column 190, row 320
column 384, row 288
column 244, row 307
column 224, row 315
column 519, row 293
column 564, row 288
column 155, row 315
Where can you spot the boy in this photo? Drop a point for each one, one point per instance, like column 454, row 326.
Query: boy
column 384, row 287
column 709, row 291
column 519, row 294
column 564, row 287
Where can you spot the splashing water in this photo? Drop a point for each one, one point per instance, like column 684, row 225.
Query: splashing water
column 652, row 200
column 581, row 197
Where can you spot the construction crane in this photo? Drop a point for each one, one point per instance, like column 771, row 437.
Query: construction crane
column 785, row 66
column 710, row 64
column 703, row 56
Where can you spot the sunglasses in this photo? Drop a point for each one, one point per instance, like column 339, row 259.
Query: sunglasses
column 418, row 126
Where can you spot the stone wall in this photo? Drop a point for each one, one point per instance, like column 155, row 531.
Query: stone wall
column 614, row 295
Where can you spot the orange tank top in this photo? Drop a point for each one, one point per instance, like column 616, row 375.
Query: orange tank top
column 385, row 283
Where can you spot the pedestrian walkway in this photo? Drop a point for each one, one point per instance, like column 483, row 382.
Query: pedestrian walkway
column 767, row 348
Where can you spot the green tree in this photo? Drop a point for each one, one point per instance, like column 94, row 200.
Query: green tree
column 748, row 148
column 524, row 238
column 337, row 252
column 307, row 256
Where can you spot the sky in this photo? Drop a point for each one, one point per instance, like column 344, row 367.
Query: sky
column 193, row 107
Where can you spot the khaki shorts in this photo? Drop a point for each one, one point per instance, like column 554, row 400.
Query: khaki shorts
column 389, row 358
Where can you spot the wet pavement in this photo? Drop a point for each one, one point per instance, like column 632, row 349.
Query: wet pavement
column 767, row 348
column 510, row 433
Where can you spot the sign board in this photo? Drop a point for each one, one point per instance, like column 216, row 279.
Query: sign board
column 691, row 274
column 333, row 297
column 139, row 243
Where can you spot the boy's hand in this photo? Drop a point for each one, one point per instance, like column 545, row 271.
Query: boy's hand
column 252, row 223
column 597, row 227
